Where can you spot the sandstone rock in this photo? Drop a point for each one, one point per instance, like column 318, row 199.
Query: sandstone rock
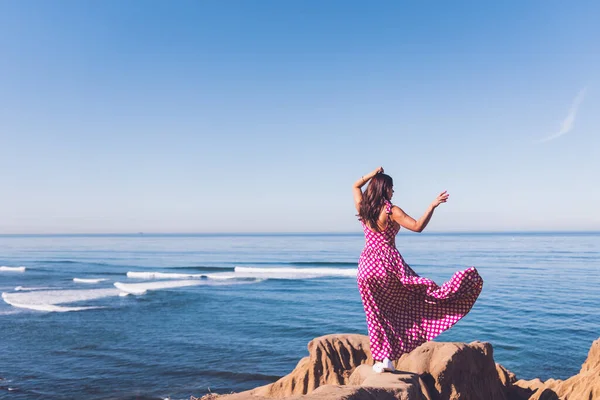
column 335, row 392
column 584, row 385
column 332, row 392
column 408, row 385
column 339, row 368
column 507, row 378
column 457, row 371
column 523, row 390
column 331, row 360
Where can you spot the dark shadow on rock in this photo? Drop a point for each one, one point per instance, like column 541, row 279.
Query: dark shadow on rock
column 429, row 381
column 372, row 394
column 549, row 394
column 520, row 393
column 398, row 372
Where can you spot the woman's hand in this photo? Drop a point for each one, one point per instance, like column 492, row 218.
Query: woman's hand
column 369, row 176
column 378, row 170
column 441, row 198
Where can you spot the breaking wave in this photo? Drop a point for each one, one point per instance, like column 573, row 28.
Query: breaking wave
column 12, row 269
column 142, row 288
column 29, row 289
column 83, row 280
column 52, row 300
column 305, row 263
column 163, row 275
column 251, row 272
column 294, row 273
column 58, row 300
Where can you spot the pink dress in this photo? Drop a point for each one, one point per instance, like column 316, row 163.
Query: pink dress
column 404, row 310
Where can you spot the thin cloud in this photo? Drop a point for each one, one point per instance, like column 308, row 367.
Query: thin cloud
column 568, row 122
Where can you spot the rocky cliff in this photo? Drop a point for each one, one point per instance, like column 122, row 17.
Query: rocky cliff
column 339, row 368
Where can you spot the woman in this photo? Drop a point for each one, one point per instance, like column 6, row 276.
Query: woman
column 403, row 310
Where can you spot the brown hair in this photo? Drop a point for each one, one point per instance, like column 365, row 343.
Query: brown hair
column 374, row 197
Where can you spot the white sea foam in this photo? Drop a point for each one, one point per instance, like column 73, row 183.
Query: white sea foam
column 82, row 280
column 163, row 275
column 251, row 272
column 54, row 300
column 12, row 269
column 51, row 300
column 142, row 288
column 290, row 273
column 30, row 289
column 49, row 307
column 8, row 312
column 224, row 276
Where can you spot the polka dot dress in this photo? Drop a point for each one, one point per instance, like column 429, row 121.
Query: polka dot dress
column 403, row 309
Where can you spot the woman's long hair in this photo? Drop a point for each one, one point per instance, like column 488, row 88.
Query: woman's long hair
column 374, row 197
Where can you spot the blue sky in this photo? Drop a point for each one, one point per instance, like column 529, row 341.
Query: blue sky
column 239, row 116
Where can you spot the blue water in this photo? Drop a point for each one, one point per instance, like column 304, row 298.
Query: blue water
column 233, row 329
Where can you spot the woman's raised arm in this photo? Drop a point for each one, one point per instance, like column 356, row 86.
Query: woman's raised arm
column 406, row 221
column 356, row 188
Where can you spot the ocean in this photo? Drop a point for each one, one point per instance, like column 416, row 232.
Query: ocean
column 169, row 316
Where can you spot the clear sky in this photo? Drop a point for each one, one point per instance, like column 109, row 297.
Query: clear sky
column 254, row 116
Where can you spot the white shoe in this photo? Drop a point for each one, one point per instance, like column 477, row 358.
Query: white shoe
column 378, row 367
column 388, row 365
column 383, row 366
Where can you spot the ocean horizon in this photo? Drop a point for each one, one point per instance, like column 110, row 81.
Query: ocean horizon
column 308, row 233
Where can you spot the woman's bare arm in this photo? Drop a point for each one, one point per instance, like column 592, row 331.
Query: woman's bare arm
column 356, row 188
column 406, row 221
